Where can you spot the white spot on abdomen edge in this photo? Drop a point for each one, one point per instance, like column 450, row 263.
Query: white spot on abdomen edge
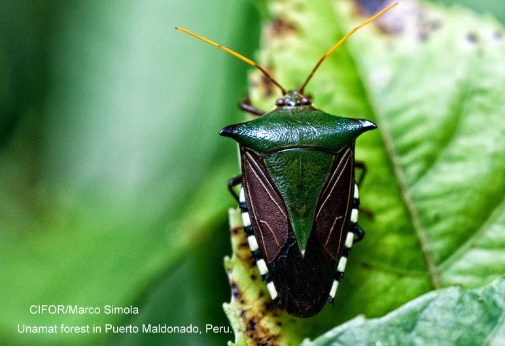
column 246, row 220
column 349, row 239
column 333, row 290
column 241, row 198
column 354, row 215
column 253, row 244
column 272, row 290
column 341, row 264
column 262, row 266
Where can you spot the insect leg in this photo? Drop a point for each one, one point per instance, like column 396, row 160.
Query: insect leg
column 232, row 183
column 362, row 166
column 358, row 231
column 246, row 106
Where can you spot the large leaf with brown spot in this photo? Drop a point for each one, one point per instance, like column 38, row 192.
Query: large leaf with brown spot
column 432, row 79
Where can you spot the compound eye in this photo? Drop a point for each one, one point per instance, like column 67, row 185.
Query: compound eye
column 305, row 101
column 280, row 102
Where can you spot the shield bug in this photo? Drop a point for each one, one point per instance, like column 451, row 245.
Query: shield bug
column 299, row 196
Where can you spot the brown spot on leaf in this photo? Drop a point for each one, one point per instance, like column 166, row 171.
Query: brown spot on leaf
column 266, row 86
column 472, row 37
column 235, row 293
column 259, row 335
column 281, row 27
column 252, row 324
column 260, row 315
column 366, row 265
column 235, row 230
column 426, row 27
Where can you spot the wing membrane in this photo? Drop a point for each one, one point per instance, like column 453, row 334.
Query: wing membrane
column 334, row 204
column 269, row 216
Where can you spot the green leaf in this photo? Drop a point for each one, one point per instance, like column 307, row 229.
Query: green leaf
column 432, row 79
column 451, row 316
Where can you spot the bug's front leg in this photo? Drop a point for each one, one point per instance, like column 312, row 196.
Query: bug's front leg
column 246, row 106
column 232, row 183
column 361, row 166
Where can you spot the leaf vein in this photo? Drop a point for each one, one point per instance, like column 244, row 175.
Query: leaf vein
column 434, row 274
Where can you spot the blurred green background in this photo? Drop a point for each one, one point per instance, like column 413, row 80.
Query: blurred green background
column 112, row 175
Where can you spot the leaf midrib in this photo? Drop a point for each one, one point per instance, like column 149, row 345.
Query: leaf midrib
column 395, row 162
column 406, row 195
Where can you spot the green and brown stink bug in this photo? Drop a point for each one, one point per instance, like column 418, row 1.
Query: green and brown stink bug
column 299, row 197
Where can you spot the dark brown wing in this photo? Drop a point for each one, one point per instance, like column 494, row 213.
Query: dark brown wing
column 268, row 214
column 335, row 203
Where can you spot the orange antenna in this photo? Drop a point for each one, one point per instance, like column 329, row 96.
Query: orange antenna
column 342, row 41
column 241, row 57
